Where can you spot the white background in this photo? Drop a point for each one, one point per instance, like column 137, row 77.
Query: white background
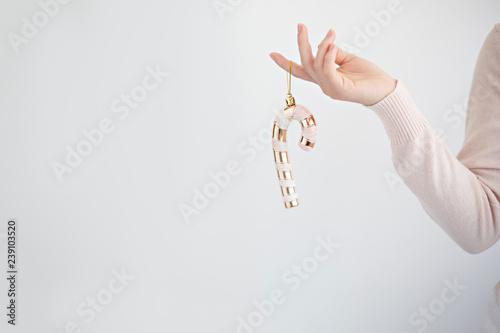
column 120, row 209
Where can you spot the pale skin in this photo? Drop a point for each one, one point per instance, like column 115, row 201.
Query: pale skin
column 340, row 74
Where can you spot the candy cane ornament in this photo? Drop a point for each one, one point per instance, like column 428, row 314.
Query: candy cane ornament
column 280, row 147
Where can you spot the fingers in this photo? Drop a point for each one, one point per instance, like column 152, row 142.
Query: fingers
column 306, row 55
column 297, row 70
column 314, row 69
column 322, row 50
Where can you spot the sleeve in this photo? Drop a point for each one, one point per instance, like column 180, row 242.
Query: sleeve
column 461, row 194
column 492, row 324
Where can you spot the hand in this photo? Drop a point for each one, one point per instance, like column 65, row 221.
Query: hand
column 355, row 79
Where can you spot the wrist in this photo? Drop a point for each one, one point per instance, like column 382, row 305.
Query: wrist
column 402, row 119
column 383, row 91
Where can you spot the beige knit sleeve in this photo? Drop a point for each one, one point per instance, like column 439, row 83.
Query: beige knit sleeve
column 461, row 194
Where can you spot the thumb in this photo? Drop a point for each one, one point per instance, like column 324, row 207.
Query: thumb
column 342, row 56
column 334, row 56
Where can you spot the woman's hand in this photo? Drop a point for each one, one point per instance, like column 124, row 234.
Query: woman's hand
column 355, row 79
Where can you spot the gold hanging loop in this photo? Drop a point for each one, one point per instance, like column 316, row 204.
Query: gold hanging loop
column 289, row 80
column 290, row 101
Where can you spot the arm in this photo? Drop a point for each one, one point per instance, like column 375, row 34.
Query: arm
column 451, row 194
column 460, row 193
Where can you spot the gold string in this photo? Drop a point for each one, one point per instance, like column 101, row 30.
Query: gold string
column 289, row 80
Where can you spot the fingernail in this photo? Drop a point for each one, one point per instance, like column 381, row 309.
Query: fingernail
column 299, row 28
column 329, row 33
column 272, row 57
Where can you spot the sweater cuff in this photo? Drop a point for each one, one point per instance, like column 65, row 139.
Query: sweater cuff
column 402, row 119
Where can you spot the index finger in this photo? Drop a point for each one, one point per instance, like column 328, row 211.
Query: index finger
column 306, row 55
column 297, row 70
